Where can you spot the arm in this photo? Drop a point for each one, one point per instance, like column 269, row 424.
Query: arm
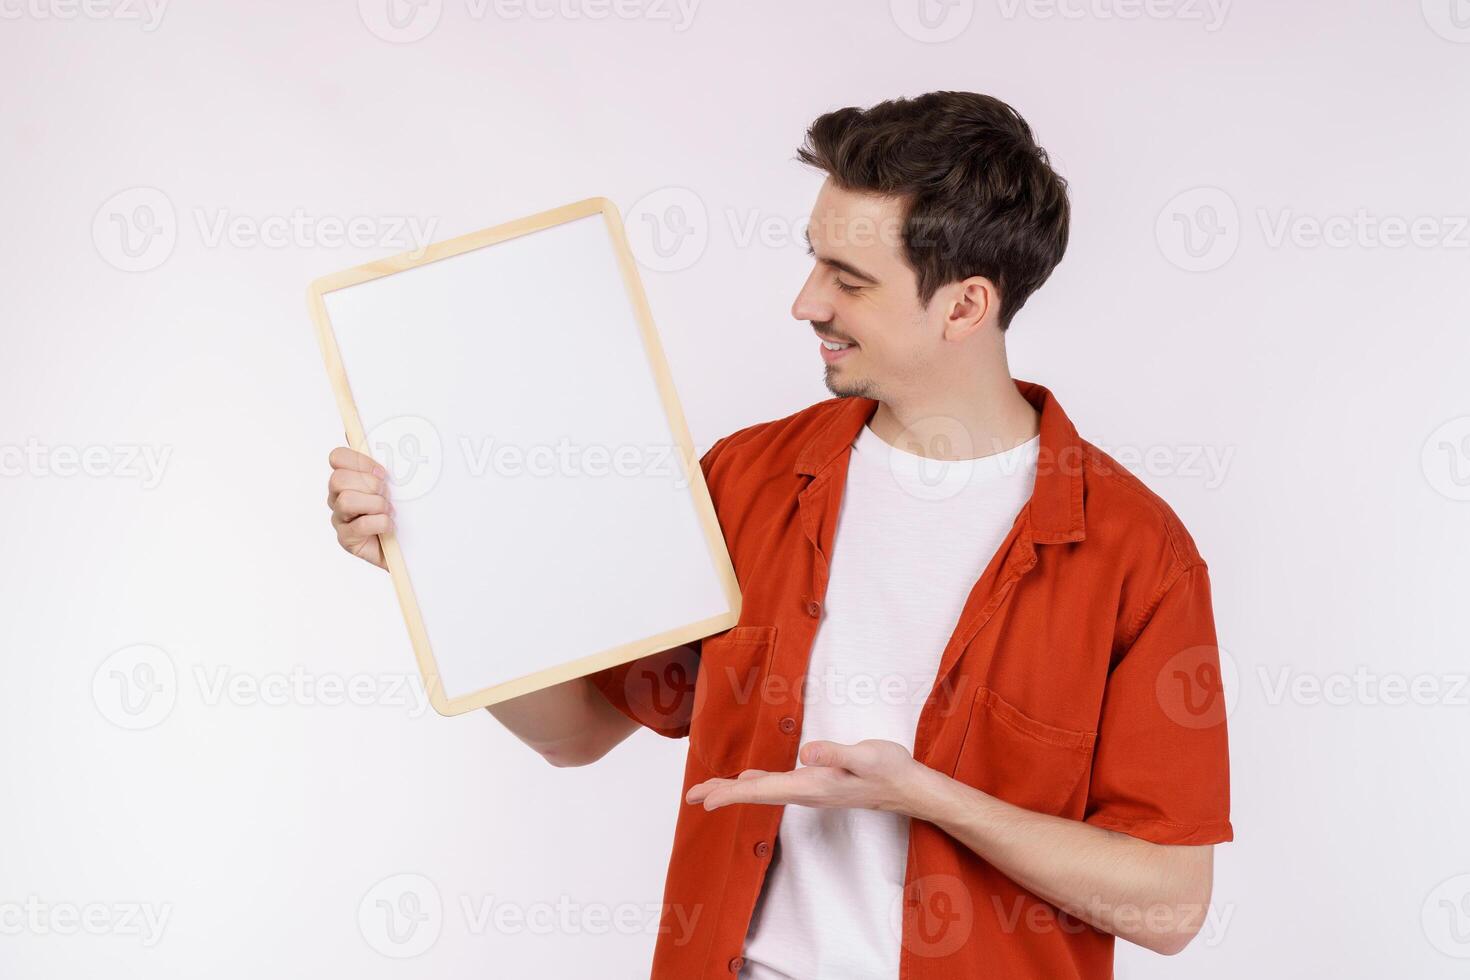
column 1154, row 895
column 569, row 724
column 1150, row 894
column 1160, row 770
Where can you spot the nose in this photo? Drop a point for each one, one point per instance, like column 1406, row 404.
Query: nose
column 810, row 303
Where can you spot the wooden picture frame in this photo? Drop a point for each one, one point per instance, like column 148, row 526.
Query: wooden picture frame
column 451, row 700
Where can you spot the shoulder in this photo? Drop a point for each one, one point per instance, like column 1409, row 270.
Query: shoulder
column 1135, row 534
column 1123, row 513
column 771, row 447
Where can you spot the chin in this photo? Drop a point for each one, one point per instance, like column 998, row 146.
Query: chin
column 844, row 387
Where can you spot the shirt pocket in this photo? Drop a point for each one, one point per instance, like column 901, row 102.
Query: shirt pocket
column 733, row 667
column 1031, row 764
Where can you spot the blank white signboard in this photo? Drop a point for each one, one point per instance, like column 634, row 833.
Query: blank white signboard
column 550, row 516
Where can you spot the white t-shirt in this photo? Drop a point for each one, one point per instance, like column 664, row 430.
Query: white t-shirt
column 913, row 537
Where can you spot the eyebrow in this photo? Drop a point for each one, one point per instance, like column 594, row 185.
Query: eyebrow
column 851, row 270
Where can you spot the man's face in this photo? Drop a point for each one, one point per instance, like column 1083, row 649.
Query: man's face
column 863, row 293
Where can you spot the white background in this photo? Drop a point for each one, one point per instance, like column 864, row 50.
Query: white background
column 1326, row 382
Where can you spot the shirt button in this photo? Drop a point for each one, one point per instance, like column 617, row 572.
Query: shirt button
column 762, row 849
column 813, row 608
column 736, row 963
column 788, row 724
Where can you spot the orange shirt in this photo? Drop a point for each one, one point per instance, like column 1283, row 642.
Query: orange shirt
column 1081, row 680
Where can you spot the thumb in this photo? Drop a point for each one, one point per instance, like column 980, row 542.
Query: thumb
column 821, row 753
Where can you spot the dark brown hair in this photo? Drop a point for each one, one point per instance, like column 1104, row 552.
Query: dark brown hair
column 981, row 196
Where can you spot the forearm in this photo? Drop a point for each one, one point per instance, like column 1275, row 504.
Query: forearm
column 1150, row 894
column 569, row 724
column 572, row 724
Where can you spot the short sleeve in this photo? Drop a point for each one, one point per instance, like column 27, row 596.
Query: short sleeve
column 1161, row 764
column 657, row 691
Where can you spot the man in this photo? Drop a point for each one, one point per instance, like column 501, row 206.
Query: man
column 970, row 723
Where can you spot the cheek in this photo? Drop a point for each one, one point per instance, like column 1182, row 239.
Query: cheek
column 868, row 324
column 923, row 342
column 889, row 337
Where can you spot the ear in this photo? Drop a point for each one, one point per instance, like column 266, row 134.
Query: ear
column 972, row 303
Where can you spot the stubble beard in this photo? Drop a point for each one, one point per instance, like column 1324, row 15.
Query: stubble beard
column 861, row 388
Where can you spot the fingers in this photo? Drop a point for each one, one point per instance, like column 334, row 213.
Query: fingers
column 834, row 754
column 769, row 787
column 339, row 520
column 352, row 504
column 701, row 790
column 357, row 493
column 354, row 534
column 356, row 486
column 346, row 479
column 343, row 458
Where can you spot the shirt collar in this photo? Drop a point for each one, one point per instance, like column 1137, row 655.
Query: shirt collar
column 1056, row 513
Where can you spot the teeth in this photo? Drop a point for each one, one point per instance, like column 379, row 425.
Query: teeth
column 833, row 345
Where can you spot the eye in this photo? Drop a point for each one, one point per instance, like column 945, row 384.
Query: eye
column 845, row 286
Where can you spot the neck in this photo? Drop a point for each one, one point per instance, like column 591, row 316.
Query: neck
column 984, row 416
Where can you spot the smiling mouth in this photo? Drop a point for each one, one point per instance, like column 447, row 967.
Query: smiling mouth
column 833, row 344
column 834, row 350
